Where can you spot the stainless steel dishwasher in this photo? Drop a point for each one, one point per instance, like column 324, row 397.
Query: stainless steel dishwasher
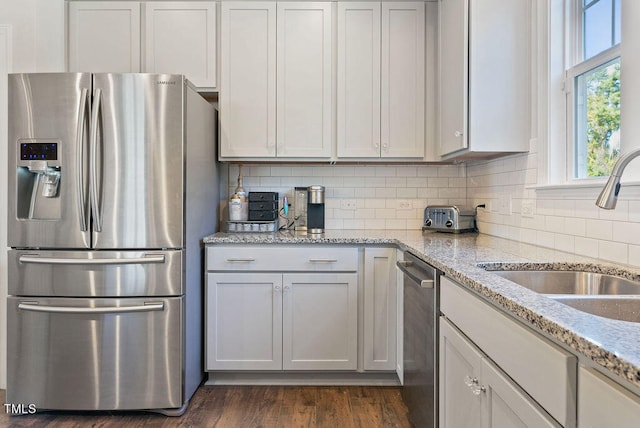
column 420, row 351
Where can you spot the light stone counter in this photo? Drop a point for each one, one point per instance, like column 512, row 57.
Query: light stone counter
column 613, row 345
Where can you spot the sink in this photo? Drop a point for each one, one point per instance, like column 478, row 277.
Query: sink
column 571, row 282
column 625, row 308
column 599, row 294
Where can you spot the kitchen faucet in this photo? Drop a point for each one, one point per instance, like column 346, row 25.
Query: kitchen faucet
column 609, row 195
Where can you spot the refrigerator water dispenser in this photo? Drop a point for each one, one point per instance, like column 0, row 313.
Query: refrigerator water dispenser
column 38, row 179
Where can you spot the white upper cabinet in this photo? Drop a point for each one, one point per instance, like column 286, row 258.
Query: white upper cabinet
column 304, row 94
column 153, row 37
column 249, row 103
column 402, row 125
column 484, row 78
column 180, row 38
column 359, row 44
column 248, row 79
column 104, row 36
column 381, row 80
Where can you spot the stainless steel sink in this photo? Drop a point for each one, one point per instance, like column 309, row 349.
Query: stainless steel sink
column 571, row 282
column 599, row 294
column 625, row 308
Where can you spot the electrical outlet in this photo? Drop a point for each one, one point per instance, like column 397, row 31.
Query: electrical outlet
column 405, row 204
column 348, row 204
column 504, row 203
column 528, row 208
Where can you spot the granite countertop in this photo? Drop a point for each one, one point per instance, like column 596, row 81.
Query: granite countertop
column 614, row 345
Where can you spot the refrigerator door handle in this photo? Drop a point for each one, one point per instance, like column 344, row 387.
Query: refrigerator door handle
column 82, row 115
column 147, row 307
column 147, row 259
column 95, row 116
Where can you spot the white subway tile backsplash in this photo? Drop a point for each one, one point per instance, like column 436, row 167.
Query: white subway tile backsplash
column 599, row 229
column 382, row 196
column 407, row 193
column 381, row 192
column 586, row 246
column 626, row 232
column 613, row 251
column 634, row 255
column 565, row 243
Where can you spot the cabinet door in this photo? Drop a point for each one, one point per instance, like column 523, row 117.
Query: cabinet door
column 403, row 79
column 104, row 36
column 248, row 79
column 459, row 368
column 304, row 107
column 380, row 309
column 320, row 321
column 243, row 321
column 506, row 405
column 603, row 403
column 358, row 118
column 453, row 63
column 180, row 38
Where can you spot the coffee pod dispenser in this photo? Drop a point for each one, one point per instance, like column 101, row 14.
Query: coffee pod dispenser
column 315, row 210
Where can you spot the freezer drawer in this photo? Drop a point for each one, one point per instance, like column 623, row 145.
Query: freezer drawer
column 95, row 273
column 95, row 354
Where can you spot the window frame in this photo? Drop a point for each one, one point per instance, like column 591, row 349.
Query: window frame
column 574, row 67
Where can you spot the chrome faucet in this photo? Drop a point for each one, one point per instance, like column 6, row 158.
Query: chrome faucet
column 609, row 195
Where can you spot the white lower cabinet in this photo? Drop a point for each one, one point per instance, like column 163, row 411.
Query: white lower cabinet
column 282, row 321
column 244, row 321
column 603, row 403
column 261, row 317
column 320, row 321
column 495, row 372
column 474, row 392
column 380, row 309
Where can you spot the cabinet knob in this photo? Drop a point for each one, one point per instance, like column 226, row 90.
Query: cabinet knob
column 474, row 385
column 458, row 134
column 287, row 288
column 277, row 288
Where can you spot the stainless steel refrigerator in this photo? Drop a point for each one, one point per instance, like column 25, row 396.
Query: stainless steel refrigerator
column 112, row 185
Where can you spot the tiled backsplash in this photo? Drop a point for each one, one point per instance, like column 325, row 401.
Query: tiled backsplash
column 394, row 197
column 564, row 219
column 362, row 196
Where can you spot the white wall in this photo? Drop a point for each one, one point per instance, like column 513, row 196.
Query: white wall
column 5, row 67
column 36, row 43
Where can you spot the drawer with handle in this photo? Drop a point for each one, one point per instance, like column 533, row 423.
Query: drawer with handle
column 281, row 258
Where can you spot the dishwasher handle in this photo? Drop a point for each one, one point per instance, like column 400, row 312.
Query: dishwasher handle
column 425, row 277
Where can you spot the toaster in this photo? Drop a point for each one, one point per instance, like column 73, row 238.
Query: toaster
column 449, row 218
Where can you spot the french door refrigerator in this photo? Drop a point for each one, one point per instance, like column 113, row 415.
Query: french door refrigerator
column 112, row 185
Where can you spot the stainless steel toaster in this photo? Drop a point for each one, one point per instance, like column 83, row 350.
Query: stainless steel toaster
column 449, row 218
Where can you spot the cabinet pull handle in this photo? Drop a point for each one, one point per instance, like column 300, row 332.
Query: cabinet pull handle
column 323, row 260
column 241, row 260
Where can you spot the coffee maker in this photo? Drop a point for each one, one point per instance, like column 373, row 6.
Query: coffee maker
column 315, row 210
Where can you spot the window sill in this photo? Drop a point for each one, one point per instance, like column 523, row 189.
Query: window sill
column 591, row 190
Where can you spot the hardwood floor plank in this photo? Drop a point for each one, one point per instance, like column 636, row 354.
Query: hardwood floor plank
column 333, row 408
column 299, row 407
column 247, row 407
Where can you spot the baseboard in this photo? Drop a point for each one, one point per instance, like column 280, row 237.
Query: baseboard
column 303, row 378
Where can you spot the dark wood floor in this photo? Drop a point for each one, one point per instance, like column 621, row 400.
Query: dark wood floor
column 246, row 407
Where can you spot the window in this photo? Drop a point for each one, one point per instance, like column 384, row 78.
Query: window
column 594, row 88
